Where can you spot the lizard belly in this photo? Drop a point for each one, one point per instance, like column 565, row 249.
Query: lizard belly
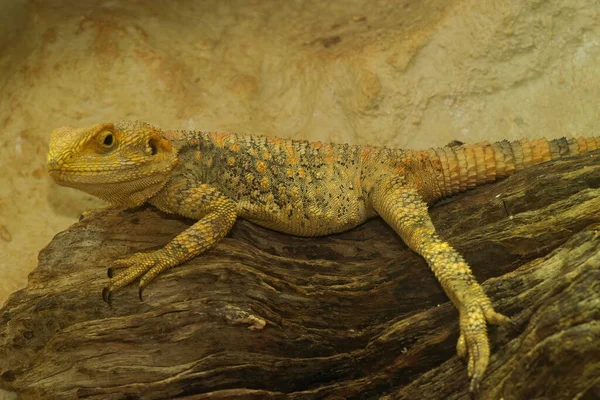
column 306, row 219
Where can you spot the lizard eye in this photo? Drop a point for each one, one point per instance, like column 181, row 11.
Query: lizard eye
column 106, row 139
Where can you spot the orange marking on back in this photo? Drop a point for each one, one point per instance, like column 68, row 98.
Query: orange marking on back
column 365, row 153
column 261, row 167
column 328, row 153
column 265, row 183
column 294, row 192
column 316, row 145
column 275, row 140
column 400, row 171
column 220, row 138
column 289, row 148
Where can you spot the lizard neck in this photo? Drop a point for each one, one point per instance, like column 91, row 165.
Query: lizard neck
column 127, row 194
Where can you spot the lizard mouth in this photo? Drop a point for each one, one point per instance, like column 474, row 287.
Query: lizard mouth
column 67, row 177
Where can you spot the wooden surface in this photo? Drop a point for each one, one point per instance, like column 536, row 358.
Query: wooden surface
column 354, row 315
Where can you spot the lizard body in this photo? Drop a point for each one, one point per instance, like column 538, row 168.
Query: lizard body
column 296, row 187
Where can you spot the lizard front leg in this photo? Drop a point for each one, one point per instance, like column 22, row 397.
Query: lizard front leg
column 216, row 215
column 403, row 208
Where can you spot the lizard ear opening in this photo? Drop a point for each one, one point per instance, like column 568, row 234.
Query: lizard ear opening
column 158, row 145
column 153, row 148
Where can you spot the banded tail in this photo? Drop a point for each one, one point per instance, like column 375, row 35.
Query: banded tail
column 459, row 168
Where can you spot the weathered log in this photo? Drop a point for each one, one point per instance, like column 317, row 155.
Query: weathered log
column 353, row 315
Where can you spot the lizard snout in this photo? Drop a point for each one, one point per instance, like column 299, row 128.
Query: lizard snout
column 51, row 164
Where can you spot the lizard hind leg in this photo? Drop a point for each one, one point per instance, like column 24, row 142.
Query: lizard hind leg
column 405, row 211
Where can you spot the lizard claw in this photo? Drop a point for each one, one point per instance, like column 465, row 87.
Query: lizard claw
column 514, row 326
column 140, row 290
column 474, row 388
column 107, row 295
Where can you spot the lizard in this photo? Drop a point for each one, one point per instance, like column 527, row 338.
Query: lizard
column 296, row 187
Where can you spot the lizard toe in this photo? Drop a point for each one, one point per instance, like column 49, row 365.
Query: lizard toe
column 461, row 347
column 474, row 336
column 160, row 266
column 495, row 318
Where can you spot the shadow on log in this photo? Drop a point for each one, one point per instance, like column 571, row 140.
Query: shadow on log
column 354, row 315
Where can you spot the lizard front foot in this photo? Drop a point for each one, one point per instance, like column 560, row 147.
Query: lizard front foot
column 473, row 342
column 145, row 265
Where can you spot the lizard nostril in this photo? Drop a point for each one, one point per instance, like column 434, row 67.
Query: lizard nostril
column 51, row 164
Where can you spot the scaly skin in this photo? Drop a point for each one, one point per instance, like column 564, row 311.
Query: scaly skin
column 296, row 187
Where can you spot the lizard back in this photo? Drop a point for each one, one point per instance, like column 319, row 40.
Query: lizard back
column 297, row 187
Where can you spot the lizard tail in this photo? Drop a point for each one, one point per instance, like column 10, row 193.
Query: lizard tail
column 459, row 168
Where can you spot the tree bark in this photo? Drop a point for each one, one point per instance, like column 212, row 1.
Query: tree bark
column 354, row 315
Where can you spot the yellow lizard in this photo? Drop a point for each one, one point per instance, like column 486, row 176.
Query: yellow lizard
column 297, row 187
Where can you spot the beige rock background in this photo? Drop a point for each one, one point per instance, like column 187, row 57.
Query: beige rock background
column 405, row 73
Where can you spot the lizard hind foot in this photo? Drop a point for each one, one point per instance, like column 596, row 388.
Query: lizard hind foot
column 473, row 340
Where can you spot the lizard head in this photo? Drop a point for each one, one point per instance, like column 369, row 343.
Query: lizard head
column 124, row 164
